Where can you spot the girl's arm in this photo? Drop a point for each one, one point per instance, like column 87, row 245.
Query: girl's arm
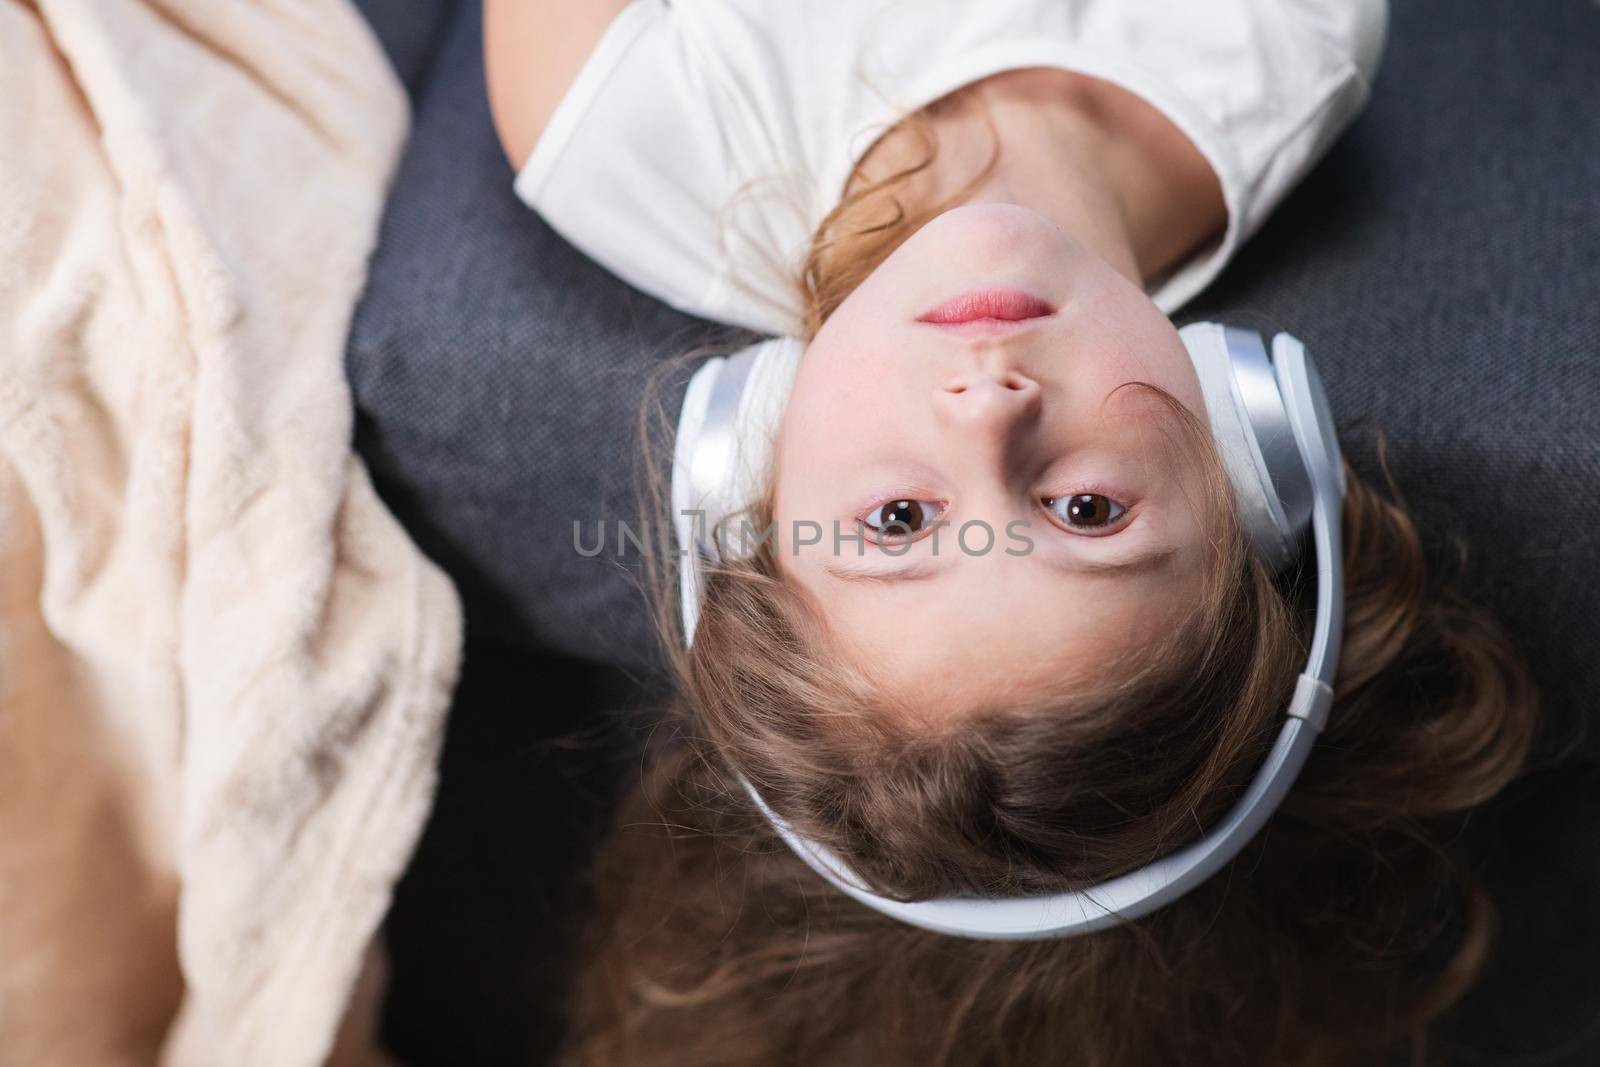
column 532, row 50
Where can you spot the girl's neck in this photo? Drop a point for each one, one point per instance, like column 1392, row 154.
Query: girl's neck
column 1100, row 162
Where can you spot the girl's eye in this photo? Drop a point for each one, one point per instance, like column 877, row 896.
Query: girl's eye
column 901, row 518
column 1085, row 511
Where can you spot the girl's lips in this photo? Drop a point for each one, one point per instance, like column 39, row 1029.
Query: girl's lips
column 987, row 305
column 983, row 327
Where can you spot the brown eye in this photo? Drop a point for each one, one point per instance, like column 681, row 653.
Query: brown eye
column 899, row 518
column 1086, row 510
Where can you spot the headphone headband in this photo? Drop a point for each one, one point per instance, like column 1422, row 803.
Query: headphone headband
column 1275, row 433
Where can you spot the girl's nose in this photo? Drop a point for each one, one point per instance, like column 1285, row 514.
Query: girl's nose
column 993, row 400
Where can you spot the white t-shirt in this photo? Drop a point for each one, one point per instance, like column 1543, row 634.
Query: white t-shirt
column 683, row 103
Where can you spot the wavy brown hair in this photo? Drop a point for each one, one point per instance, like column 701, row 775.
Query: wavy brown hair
column 1338, row 936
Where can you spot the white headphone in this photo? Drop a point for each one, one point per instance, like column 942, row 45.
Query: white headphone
column 1275, row 433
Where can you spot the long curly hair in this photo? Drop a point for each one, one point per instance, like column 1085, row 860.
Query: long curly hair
column 1338, row 936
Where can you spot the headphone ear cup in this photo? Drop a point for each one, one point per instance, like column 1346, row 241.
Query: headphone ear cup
column 1254, row 438
column 724, row 448
column 1308, row 408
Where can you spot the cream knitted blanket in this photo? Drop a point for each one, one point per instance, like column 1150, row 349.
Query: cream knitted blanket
column 223, row 666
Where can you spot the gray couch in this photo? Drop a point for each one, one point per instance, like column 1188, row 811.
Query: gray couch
column 1443, row 264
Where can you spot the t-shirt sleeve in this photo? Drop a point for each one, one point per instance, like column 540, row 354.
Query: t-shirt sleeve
column 1311, row 65
column 631, row 168
column 1356, row 29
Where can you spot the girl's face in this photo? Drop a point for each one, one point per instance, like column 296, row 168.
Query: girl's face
column 1047, row 519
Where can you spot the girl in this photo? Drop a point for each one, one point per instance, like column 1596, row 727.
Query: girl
column 977, row 218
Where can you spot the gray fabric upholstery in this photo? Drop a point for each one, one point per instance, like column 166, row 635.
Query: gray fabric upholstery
column 410, row 31
column 1443, row 265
